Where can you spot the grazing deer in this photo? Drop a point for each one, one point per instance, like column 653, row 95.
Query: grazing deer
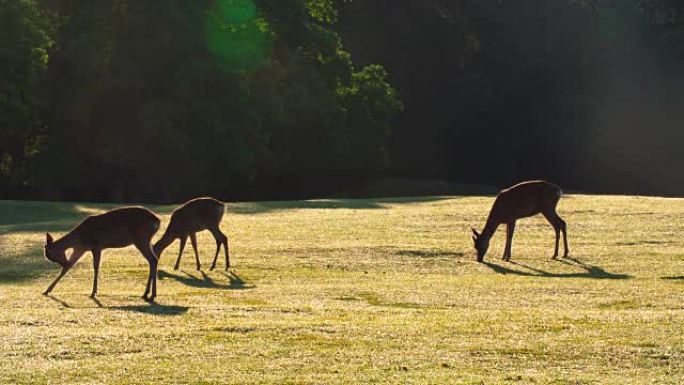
column 522, row 200
column 194, row 216
column 113, row 229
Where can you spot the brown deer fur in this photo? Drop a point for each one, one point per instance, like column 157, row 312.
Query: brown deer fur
column 114, row 229
column 522, row 200
column 194, row 216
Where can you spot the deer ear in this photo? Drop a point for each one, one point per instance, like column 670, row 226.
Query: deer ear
column 48, row 238
column 475, row 232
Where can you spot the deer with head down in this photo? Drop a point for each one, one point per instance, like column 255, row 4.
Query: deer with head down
column 520, row 201
column 195, row 215
column 114, row 229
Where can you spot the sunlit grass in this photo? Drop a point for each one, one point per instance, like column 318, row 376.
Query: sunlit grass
column 357, row 291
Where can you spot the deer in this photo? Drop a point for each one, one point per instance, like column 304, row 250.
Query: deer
column 114, row 229
column 192, row 217
column 523, row 200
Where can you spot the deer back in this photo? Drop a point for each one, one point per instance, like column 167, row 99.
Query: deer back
column 196, row 215
column 118, row 228
column 525, row 200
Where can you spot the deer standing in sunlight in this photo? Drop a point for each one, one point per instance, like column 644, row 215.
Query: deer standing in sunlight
column 194, row 216
column 114, row 229
column 520, row 201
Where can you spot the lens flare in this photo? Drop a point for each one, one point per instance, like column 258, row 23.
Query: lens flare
column 237, row 36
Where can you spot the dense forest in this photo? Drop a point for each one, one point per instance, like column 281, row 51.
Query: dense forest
column 152, row 100
column 586, row 93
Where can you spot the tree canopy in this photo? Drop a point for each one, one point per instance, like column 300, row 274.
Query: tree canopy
column 166, row 99
column 585, row 93
column 246, row 99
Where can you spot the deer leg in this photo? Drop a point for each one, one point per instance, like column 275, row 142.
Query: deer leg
column 96, row 269
column 218, row 249
column 193, row 242
column 510, row 229
column 221, row 239
column 183, row 239
column 151, row 287
column 73, row 258
column 565, row 236
column 225, row 248
column 554, row 220
column 59, row 277
column 149, row 282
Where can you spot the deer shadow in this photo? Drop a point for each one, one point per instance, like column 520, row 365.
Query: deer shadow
column 59, row 301
column 234, row 281
column 591, row 271
column 152, row 308
column 678, row 278
column 429, row 253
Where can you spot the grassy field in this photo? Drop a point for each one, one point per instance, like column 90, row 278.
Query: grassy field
column 357, row 291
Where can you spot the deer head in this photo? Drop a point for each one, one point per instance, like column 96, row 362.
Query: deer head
column 54, row 254
column 481, row 244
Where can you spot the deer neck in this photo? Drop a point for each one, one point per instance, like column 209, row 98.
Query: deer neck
column 490, row 227
column 68, row 241
column 163, row 242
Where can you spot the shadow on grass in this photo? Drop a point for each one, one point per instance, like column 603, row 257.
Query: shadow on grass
column 641, row 243
column 44, row 216
column 18, row 216
column 678, row 278
column 353, row 204
column 591, row 271
column 154, row 309
column 59, row 301
column 25, row 266
column 429, row 253
column 234, row 281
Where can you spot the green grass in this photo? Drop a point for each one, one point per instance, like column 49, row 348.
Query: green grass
column 357, row 291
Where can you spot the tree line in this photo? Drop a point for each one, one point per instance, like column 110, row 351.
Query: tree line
column 158, row 100
column 152, row 100
column 586, row 93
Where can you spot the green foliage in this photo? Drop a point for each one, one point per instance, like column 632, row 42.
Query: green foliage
column 322, row 10
column 237, row 35
column 371, row 105
column 261, row 98
column 25, row 40
column 501, row 91
column 155, row 100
